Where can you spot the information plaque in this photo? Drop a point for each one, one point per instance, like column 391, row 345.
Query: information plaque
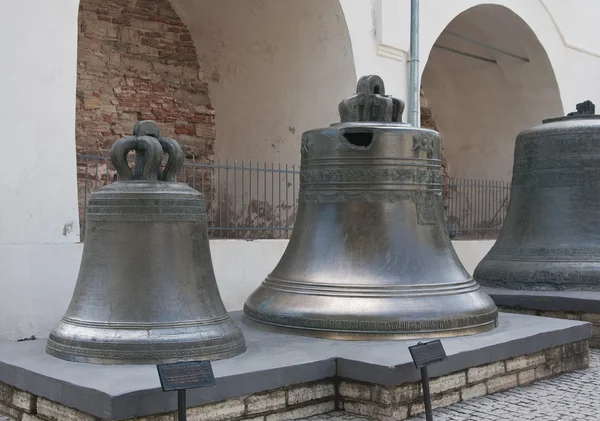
column 186, row 375
column 424, row 354
column 183, row 376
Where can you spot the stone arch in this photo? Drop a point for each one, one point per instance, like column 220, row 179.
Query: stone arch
column 479, row 105
column 275, row 69
column 229, row 80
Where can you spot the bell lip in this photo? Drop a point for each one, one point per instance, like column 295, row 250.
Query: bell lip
column 96, row 344
column 77, row 358
column 371, row 336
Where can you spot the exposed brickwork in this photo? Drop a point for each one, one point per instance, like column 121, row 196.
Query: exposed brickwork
column 401, row 402
column 292, row 402
column 137, row 61
column 361, row 399
column 573, row 397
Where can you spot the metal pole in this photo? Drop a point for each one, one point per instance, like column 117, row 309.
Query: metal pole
column 426, row 395
column 414, row 86
column 181, row 405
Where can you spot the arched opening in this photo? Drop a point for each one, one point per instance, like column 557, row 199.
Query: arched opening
column 487, row 78
column 236, row 83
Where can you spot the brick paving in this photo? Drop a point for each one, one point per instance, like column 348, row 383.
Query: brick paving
column 569, row 397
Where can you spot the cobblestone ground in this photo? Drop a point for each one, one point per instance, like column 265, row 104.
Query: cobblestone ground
column 570, row 397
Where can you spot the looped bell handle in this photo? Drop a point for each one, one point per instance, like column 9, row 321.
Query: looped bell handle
column 175, row 156
column 149, row 148
column 175, row 161
column 148, row 154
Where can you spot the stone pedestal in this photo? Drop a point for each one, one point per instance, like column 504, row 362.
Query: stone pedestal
column 571, row 305
column 284, row 377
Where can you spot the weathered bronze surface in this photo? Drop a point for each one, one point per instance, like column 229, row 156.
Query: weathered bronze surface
column 550, row 239
column 146, row 291
column 370, row 257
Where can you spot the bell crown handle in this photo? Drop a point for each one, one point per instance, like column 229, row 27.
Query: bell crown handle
column 149, row 148
column 370, row 103
column 584, row 108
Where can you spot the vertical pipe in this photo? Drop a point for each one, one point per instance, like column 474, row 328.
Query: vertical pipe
column 272, row 200
column 414, row 86
column 235, row 197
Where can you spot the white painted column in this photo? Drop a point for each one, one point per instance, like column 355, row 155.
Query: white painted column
column 38, row 74
column 39, row 222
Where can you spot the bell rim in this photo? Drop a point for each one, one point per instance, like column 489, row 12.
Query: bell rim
column 235, row 351
column 371, row 336
column 96, row 344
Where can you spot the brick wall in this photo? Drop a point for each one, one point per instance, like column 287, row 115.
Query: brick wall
column 137, row 61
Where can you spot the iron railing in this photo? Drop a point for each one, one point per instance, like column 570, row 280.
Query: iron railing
column 247, row 200
column 475, row 209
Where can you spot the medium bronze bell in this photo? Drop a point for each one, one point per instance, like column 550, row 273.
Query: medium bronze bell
column 550, row 239
column 370, row 257
column 146, row 291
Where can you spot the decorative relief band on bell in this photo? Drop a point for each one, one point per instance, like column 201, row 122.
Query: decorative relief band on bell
column 560, row 162
column 370, row 196
column 555, row 254
column 372, row 326
column 540, row 280
column 557, row 178
column 557, row 142
column 371, row 175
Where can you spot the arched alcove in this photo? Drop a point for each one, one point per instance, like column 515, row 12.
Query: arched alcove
column 480, row 98
column 275, row 68
column 487, row 78
column 235, row 82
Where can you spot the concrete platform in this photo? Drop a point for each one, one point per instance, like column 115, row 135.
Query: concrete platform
column 272, row 361
column 570, row 301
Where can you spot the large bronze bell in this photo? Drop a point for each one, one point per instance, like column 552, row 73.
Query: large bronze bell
column 146, row 291
column 550, row 239
column 370, row 256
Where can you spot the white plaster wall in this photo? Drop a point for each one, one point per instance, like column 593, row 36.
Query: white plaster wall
column 380, row 42
column 276, row 68
column 38, row 41
column 479, row 106
column 45, row 288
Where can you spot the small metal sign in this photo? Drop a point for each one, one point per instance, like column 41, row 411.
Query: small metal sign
column 425, row 353
column 186, row 375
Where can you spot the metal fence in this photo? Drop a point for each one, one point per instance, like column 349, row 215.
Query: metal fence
column 475, row 209
column 247, row 200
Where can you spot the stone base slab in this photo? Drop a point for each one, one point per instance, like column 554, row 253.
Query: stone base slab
column 570, row 305
column 287, row 377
